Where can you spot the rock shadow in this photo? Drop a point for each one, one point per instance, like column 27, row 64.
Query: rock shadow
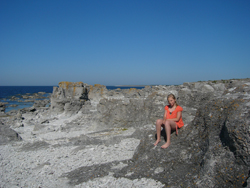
column 35, row 146
column 163, row 134
column 86, row 173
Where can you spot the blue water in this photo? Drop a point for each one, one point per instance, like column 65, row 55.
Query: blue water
column 9, row 91
column 6, row 92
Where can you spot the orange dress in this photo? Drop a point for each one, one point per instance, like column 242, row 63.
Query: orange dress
column 172, row 115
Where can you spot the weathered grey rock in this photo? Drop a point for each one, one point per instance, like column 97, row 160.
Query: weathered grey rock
column 32, row 97
column 41, row 103
column 97, row 92
column 207, row 88
column 2, row 107
column 14, row 98
column 68, row 97
column 35, row 146
column 129, row 107
column 209, row 152
column 26, row 97
column 213, row 151
column 41, row 93
column 219, row 87
column 7, row 134
column 27, row 100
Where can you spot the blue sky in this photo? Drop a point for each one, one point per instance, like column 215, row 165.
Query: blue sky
column 44, row 42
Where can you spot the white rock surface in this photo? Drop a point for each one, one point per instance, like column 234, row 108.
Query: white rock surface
column 43, row 167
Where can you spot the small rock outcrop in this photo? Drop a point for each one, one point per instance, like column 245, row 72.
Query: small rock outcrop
column 8, row 135
column 2, row 107
column 68, row 97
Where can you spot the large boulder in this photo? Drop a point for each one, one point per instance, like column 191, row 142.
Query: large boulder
column 7, row 134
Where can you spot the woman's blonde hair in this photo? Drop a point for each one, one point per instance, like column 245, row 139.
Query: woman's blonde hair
column 172, row 95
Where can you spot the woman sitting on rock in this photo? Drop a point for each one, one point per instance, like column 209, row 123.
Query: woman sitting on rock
column 172, row 120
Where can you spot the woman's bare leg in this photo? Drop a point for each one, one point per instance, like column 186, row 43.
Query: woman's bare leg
column 158, row 130
column 169, row 125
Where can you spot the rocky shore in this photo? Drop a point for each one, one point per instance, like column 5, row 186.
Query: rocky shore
column 90, row 136
column 25, row 100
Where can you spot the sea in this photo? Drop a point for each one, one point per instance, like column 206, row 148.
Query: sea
column 6, row 92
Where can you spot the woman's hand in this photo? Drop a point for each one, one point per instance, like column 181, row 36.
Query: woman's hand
column 179, row 114
column 164, row 121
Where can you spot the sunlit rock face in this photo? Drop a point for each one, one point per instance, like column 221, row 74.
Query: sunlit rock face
column 213, row 142
column 212, row 151
column 133, row 107
column 68, row 97
column 91, row 136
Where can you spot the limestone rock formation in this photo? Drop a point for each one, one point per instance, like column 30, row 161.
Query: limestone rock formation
column 91, row 136
column 212, row 149
column 68, row 97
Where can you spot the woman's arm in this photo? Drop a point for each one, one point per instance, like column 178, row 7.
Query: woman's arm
column 165, row 116
column 177, row 117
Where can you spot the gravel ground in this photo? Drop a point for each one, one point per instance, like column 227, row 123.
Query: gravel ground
column 49, row 159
